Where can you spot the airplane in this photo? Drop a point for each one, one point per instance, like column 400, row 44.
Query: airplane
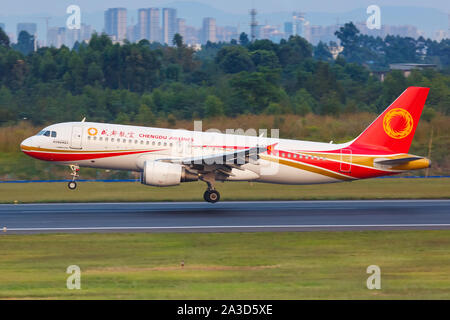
column 167, row 157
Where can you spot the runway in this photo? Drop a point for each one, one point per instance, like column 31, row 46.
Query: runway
column 225, row 216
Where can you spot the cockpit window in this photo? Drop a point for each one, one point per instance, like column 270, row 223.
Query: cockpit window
column 47, row 133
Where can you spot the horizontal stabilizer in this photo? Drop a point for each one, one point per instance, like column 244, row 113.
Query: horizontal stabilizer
column 394, row 162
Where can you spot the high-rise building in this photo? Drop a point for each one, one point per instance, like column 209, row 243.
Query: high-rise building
column 155, row 28
column 148, row 25
column 31, row 28
column 56, row 37
column 192, row 36
column 116, row 23
column 298, row 19
column 181, row 28
column 132, row 34
column 270, row 32
column 209, row 30
column 169, row 25
column 226, row 34
column 288, row 29
column 143, row 25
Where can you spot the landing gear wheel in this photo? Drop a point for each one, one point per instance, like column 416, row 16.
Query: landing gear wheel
column 72, row 185
column 211, row 196
column 206, row 196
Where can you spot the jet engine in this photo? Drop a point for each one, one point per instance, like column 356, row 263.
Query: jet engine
column 164, row 174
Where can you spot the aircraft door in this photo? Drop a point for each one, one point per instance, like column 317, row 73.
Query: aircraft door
column 77, row 135
column 346, row 161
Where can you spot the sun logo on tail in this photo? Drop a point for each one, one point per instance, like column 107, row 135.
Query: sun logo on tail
column 398, row 123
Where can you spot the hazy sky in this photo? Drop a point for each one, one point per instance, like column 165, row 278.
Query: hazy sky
column 58, row 7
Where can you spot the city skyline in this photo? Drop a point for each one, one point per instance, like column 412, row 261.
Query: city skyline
column 232, row 6
column 161, row 24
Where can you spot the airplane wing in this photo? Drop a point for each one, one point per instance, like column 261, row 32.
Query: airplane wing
column 222, row 163
column 238, row 157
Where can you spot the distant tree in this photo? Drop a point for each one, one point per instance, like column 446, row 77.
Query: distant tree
column 25, row 43
column 243, row 39
column 145, row 116
column 94, row 73
column 177, row 40
column 4, row 40
column 213, row 107
column 322, row 52
column 348, row 34
column 330, row 104
column 294, row 51
column 234, row 59
column 122, row 118
column 303, row 103
column 264, row 58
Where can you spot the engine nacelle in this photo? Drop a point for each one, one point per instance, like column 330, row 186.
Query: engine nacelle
column 164, row 174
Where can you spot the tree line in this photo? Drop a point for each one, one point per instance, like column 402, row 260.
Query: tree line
column 141, row 82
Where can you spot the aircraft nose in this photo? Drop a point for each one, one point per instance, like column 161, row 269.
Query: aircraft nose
column 28, row 142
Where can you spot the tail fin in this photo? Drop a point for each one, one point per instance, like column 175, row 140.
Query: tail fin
column 394, row 129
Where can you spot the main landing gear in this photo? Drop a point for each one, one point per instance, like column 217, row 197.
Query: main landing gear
column 211, row 195
column 72, row 185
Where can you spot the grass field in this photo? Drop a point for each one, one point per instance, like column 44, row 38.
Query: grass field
column 305, row 265
column 128, row 191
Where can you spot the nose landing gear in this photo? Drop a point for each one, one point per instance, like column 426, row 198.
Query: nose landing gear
column 72, row 185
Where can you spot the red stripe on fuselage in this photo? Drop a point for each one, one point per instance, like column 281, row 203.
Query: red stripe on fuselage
column 67, row 157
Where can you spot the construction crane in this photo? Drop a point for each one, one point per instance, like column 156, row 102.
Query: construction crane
column 253, row 24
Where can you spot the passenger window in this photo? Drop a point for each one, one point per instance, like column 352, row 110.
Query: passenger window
column 148, row 142
column 153, row 143
column 112, row 140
